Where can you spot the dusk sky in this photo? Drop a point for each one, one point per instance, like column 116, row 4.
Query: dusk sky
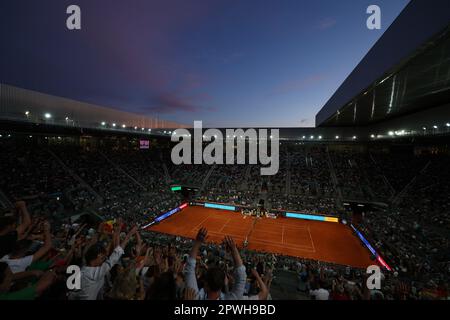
column 247, row 63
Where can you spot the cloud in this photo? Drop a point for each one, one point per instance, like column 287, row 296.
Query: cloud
column 170, row 103
column 325, row 23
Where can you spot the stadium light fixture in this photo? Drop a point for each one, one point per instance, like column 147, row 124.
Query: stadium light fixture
column 447, row 124
column 149, row 130
column 337, row 137
column 354, row 138
column 67, row 118
column 103, row 123
column 372, row 136
column 27, row 113
column 424, row 128
column 435, row 127
column 303, row 137
column 320, row 137
column 124, row 126
column 391, row 133
column 312, row 137
column 114, row 125
column 143, row 129
column 47, row 115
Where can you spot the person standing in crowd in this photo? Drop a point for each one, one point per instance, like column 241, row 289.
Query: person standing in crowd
column 215, row 277
column 94, row 272
column 10, row 232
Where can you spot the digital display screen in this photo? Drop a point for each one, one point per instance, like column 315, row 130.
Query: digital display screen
column 310, row 217
column 144, row 144
column 167, row 214
column 304, row 216
column 366, row 243
column 220, row 206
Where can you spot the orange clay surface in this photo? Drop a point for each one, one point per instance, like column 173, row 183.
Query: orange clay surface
column 324, row 241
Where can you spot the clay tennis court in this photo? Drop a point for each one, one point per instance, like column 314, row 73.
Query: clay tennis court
column 324, row 241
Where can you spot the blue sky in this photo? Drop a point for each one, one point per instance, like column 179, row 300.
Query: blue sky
column 229, row 63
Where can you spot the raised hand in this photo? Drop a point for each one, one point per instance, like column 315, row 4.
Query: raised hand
column 229, row 243
column 133, row 230
column 46, row 226
column 190, row 294
column 202, row 235
column 20, row 204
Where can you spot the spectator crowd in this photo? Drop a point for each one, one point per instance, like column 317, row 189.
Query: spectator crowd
column 76, row 206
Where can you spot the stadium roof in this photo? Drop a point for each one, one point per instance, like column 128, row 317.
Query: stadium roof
column 21, row 105
column 407, row 70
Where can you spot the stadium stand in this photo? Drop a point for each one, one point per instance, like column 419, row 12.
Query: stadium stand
column 82, row 193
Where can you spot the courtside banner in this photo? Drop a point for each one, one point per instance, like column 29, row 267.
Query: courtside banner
column 166, row 215
column 220, row 206
column 311, row 217
column 371, row 249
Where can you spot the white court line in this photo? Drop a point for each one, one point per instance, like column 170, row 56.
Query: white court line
column 310, row 236
column 283, row 228
column 266, row 232
column 223, row 227
column 287, row 246
column 222, row 235
column 289, row 225
column 203, row 221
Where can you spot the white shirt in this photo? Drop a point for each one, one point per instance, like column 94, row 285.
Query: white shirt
column 235, row 294
column 18, row 265
column 320, row 294
column 93, row 278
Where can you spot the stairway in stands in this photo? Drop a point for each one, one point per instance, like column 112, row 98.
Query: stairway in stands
column 334, row 179
column 166, row 171
column 288, row 175
column 398, row 197
column 4, row 201
column 98, row 199
column 123, row 172
column 205, row 180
